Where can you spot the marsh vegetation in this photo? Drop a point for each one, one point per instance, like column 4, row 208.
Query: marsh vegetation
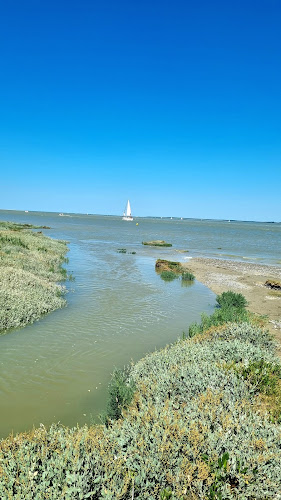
column 30, row 272
column 197, row 419
column 157, row 243
column 169, row 270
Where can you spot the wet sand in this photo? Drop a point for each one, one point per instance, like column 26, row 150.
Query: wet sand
column 246, row 278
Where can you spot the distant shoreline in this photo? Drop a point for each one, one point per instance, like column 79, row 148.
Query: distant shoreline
column 119, row 215
column 246, row 278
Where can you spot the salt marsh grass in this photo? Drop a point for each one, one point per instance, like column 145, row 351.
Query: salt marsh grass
column 30, row 269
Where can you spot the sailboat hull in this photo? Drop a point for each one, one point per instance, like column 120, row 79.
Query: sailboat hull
column 127, row 218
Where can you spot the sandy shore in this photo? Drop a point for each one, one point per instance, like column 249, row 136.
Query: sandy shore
column 245, row 278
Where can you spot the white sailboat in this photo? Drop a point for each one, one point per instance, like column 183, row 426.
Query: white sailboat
column 127, row 215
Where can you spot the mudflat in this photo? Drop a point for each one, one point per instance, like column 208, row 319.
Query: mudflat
column 246, row 278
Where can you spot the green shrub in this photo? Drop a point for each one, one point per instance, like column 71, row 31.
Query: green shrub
column 262, row 375
column 187, row 276
column 231, row 310
column 120, row 393
column 231, row 299
column 168, row 275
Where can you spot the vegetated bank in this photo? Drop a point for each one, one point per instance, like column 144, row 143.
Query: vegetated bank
column 199, row 419
column 169, row 270
column 157, row 243
column 30, row 269
column 248, row 278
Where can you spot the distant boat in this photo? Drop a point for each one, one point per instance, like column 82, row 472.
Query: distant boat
column 127, row 215
column 61, row 215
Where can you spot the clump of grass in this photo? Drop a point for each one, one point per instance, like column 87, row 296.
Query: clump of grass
column 168, row 275
column 121, row 390
column 231, row 299
column 187, row 276
column 231, row 308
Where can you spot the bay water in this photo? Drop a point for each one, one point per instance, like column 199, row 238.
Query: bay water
column 118, row 309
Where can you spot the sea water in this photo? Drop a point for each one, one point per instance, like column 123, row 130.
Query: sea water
column 118, row 309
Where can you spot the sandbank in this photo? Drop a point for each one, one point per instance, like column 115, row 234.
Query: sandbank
column 246, row 278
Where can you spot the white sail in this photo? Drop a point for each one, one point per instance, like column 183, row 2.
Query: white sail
column 127, row 212
column 128, row 209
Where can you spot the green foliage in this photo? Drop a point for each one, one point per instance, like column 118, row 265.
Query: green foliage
column 169, row 270
column 168, row 265
column 174, row 266
column 14, row 226
column 166, row 494
column 63, row 272
column 231, row 299
column 168, row 275
column 263, row 376
column 120, row 393
column 187, row 276
column 231, row 310
column 30, row 269
column 219, row 470
column 10, row 239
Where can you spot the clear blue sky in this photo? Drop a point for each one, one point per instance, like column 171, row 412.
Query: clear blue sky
column 173, row 104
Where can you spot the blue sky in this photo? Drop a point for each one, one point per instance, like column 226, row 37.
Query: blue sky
column 173, row 104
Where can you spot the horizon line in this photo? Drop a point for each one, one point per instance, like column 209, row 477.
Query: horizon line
column 142, row 216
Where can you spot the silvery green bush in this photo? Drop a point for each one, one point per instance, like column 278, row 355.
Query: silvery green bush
column 193, row 431
column 30, row 269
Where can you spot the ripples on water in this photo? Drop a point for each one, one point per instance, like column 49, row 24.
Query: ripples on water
column 118, row 309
